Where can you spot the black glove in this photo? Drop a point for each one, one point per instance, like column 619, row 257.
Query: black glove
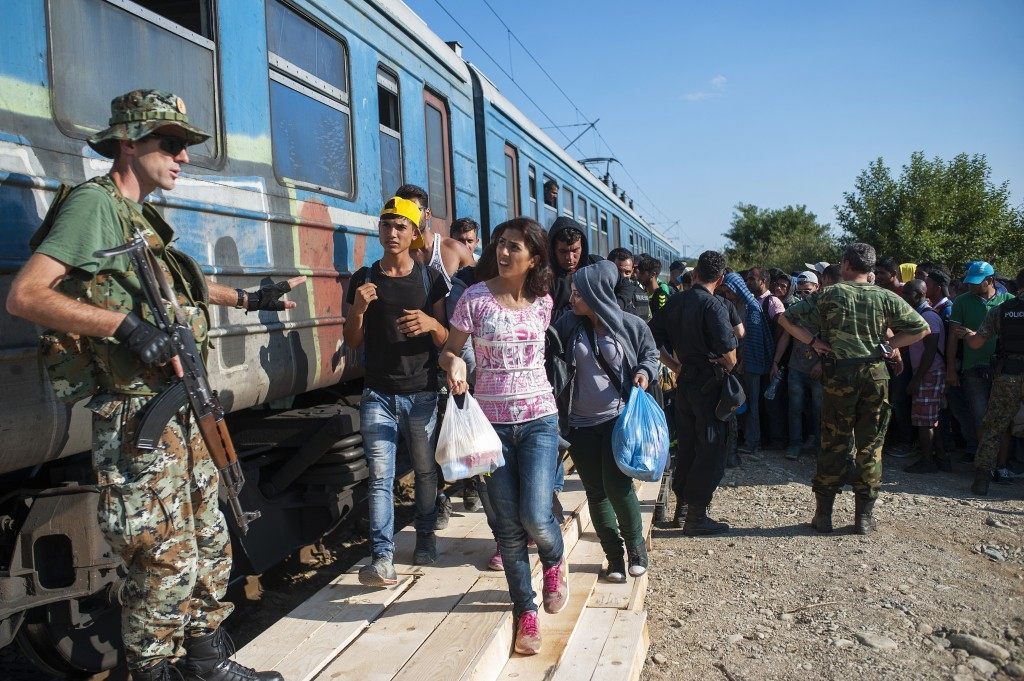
column 268, row 297
column 149, row 343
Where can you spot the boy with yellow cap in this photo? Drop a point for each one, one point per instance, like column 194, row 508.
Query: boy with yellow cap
column 396, row 312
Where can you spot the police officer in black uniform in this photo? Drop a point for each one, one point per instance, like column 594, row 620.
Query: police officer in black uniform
column 694, row 325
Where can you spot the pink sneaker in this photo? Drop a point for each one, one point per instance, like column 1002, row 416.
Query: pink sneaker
column 528, row 634
column 556, row 587
column 496, row 563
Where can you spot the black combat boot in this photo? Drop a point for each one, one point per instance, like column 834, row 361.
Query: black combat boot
column 982, row 478
column 822, row 520
column 698, row 523
column 680, row 515
column 161, row 671
column 207, row 659
column 864, row 515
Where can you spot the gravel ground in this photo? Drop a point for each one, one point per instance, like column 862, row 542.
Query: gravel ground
column 936, row 593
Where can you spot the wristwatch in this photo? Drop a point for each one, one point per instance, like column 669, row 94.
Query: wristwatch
column 242, row 296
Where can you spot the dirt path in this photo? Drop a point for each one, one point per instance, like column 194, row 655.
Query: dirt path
column 775, row 600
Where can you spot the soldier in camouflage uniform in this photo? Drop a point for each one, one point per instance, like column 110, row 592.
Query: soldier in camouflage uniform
column 158, row 509
column 1005, row 322
column 853, row 318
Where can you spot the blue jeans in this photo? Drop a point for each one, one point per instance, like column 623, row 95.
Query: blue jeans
column 977, row 384
column 383, row 417
column 752, row 386
column 800, row 386
column 520, row 496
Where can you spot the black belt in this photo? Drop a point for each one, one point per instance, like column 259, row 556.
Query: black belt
column 849, row 361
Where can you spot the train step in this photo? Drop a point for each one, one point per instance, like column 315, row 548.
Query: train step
column 453, row 619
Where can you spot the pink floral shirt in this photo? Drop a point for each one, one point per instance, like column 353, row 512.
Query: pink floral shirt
column 511, row 384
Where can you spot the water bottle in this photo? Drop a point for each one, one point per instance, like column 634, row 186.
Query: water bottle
column 773, row 387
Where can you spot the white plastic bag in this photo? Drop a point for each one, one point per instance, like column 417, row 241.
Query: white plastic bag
column 467, row 444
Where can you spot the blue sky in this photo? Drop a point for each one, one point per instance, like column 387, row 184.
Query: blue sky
column 708, row 104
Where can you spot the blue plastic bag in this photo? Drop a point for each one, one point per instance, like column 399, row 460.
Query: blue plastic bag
column 640, row 438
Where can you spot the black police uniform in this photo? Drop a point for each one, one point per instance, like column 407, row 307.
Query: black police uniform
column 695, row 324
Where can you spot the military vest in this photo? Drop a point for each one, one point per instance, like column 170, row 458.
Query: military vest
column 1011, row 328
column 82, row 366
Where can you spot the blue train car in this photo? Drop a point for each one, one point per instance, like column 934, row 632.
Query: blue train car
column 318, row 110
column 516, row 160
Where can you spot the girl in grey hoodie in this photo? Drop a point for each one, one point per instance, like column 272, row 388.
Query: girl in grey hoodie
column 625, row 356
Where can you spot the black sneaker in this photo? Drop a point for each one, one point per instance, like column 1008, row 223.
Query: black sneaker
column 616, row 572
column 470, row 496
column 637, row 559
column 426, row 549
column 444, row 512
column 379, row 572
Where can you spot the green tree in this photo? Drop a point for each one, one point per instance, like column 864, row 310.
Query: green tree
column 777, row 237
column 949, row 212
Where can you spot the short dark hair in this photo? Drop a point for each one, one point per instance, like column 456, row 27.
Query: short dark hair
column 648, row 263
column 834, row 272
column 776, row 274
column 569, row 236
column 463, row 225
column 762, row 273
column 940, row 275
column 887, row 264
column 413, row 192
column 710, row 266
column 538, row 280
column 550, row 183
column 861, row 258
column 927, row 266
column 677, row 265
column 686, row 278
column 617, row 254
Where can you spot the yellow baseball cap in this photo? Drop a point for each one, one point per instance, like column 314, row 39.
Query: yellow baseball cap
column 405, row 208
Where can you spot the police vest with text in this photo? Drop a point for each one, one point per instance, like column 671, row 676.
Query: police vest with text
column 1010, row 352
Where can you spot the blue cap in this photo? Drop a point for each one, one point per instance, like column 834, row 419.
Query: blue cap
column 978, row 271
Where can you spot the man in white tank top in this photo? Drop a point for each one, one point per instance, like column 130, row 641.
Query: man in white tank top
column 441, row 253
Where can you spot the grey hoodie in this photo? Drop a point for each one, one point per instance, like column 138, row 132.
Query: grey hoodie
column 596, row 283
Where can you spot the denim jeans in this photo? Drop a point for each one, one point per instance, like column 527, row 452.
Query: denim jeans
column 383, row 417
column 800, row 386
column 752, row 386
column 520, row 497
column 977, row 384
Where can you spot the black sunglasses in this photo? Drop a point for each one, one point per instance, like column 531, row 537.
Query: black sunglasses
column 169, row 143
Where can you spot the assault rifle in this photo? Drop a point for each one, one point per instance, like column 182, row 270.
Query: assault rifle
column 192, row 389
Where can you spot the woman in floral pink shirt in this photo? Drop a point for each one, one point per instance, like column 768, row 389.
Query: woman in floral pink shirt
column 506, row 315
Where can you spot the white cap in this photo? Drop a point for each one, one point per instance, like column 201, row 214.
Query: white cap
column 818, row 267
column 807, row 276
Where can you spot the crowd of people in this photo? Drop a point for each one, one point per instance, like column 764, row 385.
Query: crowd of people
column 551, row 338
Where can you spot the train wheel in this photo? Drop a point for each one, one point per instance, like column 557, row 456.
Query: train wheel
column 73, row 639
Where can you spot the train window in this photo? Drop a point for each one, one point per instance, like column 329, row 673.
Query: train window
column 632, row 239
column 88, row 36
column 439, row 174
column 616, row 230
column 581, row 210
column 603, row 237
column 309, row 103
column 511, row 180
column 568, row 201
column 532, row 179
column 390, row 133
column 594, row 240
column 550, row 200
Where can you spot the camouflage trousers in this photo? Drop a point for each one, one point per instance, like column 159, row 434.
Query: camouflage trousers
column 1003, row 404
column 854, row 411
column 159, row 511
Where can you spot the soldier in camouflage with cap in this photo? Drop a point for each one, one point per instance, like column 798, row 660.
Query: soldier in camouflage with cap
column 159, row 509
column 854, row 319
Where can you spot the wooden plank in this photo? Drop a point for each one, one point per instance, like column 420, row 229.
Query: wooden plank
column 453, row 648
column 402, row 629
column 632, row 592
column 626, row 648
column 306, row 639
column 461, row 525
column 585, row 645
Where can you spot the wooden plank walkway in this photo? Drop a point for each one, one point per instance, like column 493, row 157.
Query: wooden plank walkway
column 453, row 619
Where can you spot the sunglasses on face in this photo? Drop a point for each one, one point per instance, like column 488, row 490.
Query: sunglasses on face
column 169, row 143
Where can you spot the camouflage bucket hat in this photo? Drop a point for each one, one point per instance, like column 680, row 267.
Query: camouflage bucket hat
column 138, row 113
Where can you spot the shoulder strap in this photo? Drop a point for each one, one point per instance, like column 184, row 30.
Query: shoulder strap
column 601, row 361
column 61, row 195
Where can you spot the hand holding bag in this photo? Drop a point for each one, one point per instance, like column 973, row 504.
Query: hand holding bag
column 467, row 444
column 640, row 438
